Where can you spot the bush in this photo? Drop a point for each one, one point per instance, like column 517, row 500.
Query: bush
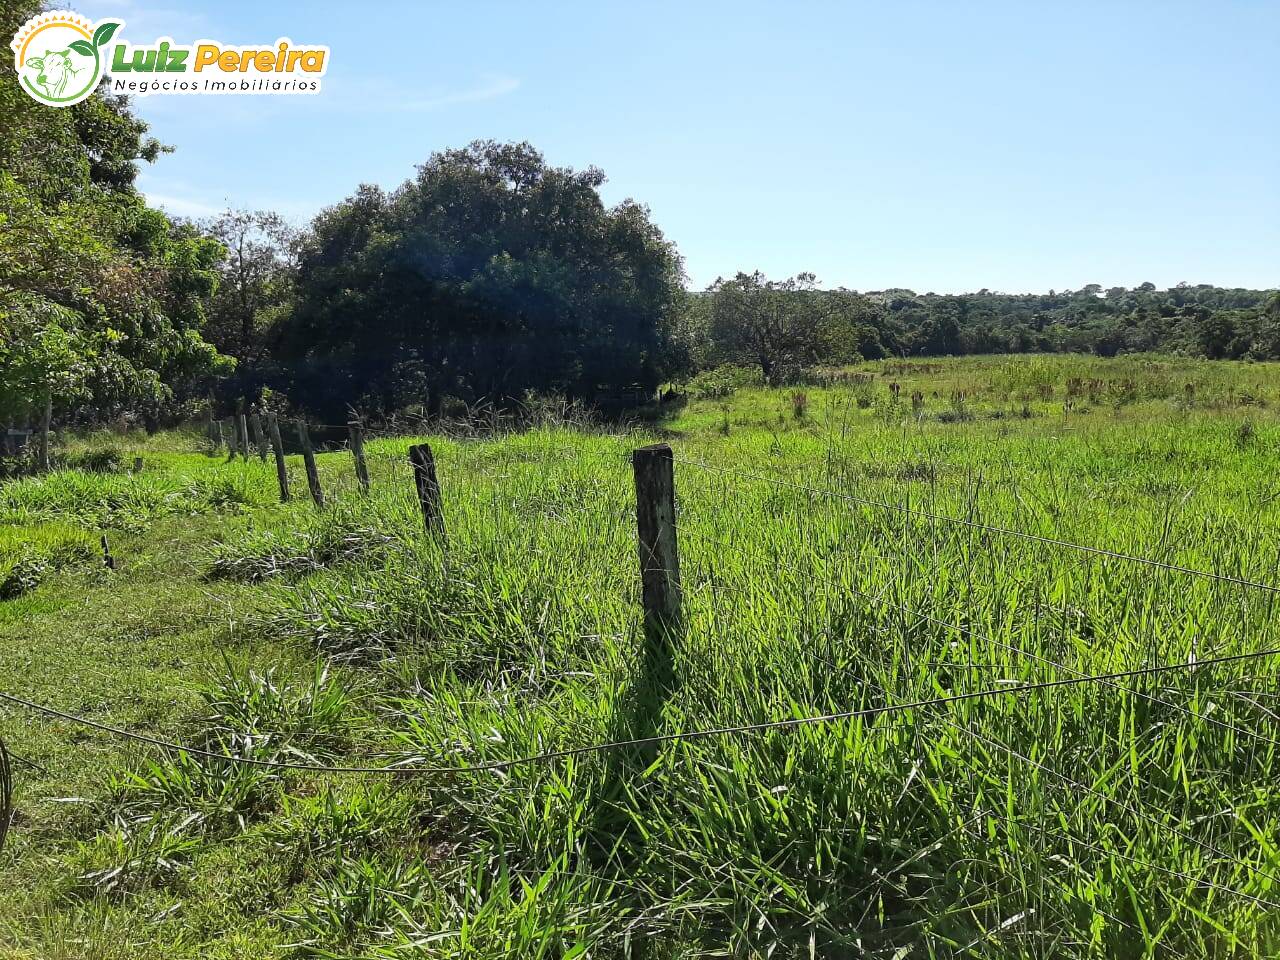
column 98, row 460
column 723, row 381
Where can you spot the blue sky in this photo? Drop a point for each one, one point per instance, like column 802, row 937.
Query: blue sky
column 937, row 146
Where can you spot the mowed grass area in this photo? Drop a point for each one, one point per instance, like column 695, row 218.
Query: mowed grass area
column 1131, row 818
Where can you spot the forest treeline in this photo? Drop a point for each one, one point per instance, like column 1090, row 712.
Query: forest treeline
column 487, row 276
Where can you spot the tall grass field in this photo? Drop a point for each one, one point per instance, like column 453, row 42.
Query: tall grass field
column 1030, row 751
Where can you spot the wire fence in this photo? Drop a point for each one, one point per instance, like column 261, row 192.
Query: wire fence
column 392, row 470
column 408, row 765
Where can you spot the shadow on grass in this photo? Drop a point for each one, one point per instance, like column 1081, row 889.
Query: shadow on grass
column 612, row 835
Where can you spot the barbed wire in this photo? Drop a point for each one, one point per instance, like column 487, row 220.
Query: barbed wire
column 989, row 528
column 1129, row 808
column 1013, row 648
column 410, row 767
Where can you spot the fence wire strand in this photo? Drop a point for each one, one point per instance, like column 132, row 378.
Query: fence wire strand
column 986, row 527
column 410, row 767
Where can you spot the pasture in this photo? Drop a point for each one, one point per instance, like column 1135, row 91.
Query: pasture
column 1031, row 750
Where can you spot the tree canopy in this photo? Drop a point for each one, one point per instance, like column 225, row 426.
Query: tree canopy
column 488, row 275
column 101, row 297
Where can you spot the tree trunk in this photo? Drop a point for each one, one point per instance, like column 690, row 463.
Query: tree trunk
column 766, row 368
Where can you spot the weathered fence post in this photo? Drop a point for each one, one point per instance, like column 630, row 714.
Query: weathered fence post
column 259, row 436
column 309, row 461
column 424, row 478
column 357, row 451
column 243, row 424
column 222, row 437
column 277, row 445
column 137, row 464
column 213, row 431
column 233, row 439
column 107, row 559
column 42, row 451
column 654, row 469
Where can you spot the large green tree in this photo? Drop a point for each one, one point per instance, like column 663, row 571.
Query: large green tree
column 779, row 326
column 255, row 291
column 488, row 275
column 101, row 297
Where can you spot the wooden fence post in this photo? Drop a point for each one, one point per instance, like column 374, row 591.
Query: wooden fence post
column 42, row 450
column 243, row 423
column 259, row 436
column 309, row 461
column 233, row 439
column 357, row 451
column 282, row 472
column 654, row 469
column 424, row 478
column 213, row 431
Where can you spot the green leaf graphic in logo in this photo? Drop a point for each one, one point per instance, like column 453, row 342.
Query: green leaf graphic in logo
column 104, row 33
column 83, row 48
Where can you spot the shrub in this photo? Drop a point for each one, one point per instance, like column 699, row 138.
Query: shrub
column 723, row 381
column 96, row 460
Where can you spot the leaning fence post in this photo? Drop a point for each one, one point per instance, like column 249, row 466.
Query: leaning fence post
column 357, row 451
column 654, row 469
column 424, row 478
column 277, row 445
column 309, row 461
column 259, row 437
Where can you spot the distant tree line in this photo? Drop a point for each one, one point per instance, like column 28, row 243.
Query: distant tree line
column 488, row 276
column 782, row 327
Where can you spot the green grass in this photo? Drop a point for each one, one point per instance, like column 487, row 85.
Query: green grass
column 349, row 636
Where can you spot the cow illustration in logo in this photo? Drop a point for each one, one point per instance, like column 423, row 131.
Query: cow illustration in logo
column 56, row 71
